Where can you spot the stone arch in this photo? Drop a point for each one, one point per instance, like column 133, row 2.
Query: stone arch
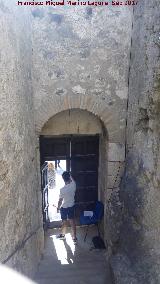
column 110, row 117
column 74, row 121
column 114, row 149
column 82, row 122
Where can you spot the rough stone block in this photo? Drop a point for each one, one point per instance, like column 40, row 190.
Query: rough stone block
column 116, row 152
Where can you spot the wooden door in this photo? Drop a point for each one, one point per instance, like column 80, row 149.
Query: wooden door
column 84, row 168
column 54, row 149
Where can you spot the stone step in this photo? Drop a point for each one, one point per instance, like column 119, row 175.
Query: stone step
column 71, row 263
column 69, row 271
column 95, row 254
column 73, row 260
column 76, row 258
column 84, row 266
column 82, row 279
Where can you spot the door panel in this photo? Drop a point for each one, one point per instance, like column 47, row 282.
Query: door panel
column 54, row 148
column 82, row 160
column 84, row 165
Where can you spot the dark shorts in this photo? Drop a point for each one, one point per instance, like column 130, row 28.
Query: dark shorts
column 67, row 213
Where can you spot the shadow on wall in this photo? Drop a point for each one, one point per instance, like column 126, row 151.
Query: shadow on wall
column 132, row 260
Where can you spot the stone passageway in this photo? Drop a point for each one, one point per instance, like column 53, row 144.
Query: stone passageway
column 64, row 262
column 81, row 71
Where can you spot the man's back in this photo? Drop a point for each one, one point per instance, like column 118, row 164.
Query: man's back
column 68, row 194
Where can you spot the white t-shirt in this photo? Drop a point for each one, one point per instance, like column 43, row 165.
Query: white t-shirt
column 67, row 193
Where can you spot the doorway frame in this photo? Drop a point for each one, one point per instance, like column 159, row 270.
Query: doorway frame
column 102, row 161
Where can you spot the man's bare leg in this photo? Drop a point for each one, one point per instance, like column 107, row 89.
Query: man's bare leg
column 64, row 227
column 73, row 226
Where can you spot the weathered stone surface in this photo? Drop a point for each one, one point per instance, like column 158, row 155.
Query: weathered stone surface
column 20, row 204
column 116, row 152
column 123, row 270
column 81, row 60
column 137, row 232
column 73, row 121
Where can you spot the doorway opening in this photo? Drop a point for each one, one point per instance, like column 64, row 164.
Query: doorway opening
column 78, row 154
column 55, row 182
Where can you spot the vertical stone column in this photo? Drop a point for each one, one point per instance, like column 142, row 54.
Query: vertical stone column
column 116, row 163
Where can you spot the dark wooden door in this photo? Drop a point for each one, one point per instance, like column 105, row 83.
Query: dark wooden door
column 84, row 168
column 81, row 154
column 54, row 149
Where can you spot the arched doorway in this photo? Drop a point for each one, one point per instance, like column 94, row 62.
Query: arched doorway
column 78, row 140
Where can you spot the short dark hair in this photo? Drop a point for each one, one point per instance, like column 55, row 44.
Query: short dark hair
column 66, row 176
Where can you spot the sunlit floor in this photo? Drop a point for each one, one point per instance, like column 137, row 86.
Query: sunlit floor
column 66, row 263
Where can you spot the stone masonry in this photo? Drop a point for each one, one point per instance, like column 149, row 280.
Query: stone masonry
column 135, row 235
column 20, row 197
column 81, row 61
column 101, row 65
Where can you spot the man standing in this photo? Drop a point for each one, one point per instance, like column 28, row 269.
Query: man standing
column 66, row 205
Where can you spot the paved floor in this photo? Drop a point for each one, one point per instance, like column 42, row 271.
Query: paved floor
column 66, row 263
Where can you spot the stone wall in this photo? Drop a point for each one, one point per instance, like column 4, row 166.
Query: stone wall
column 81, row 61
column 136, row 241
column 21, row 235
